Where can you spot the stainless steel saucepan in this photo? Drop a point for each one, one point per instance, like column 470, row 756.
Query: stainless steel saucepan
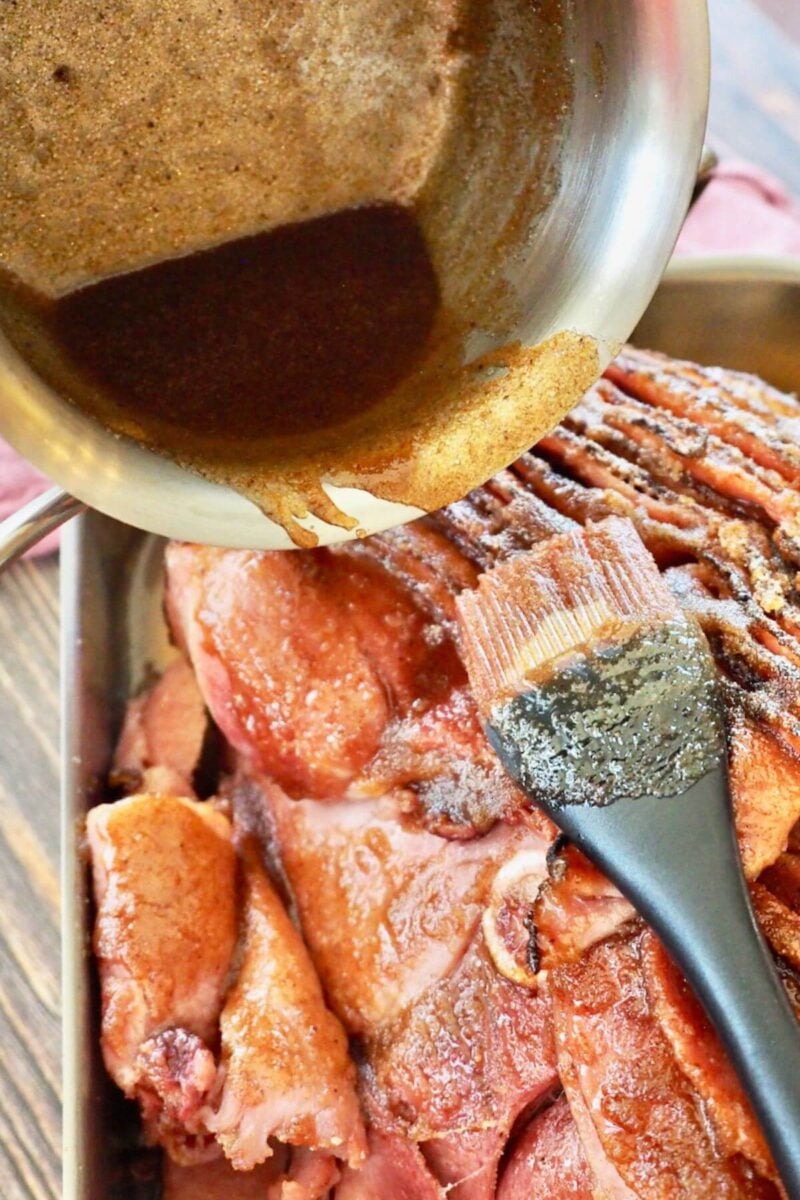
column 593, row 256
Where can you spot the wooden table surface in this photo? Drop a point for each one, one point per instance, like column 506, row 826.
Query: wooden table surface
column 755, row 114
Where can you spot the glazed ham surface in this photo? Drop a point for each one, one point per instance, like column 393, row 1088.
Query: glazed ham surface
column 512, row 1030
column 327, row 673
column 388, row 909
column 548, row 1160
column 164, row 882
column 222, row 1035
column 643, row 1131
column 162, row 738
column 285, row 1070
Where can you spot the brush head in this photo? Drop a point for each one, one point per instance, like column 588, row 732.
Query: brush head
column 592, row 682
column 577, row 592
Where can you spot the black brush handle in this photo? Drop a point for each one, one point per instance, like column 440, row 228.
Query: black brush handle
column 677, row 861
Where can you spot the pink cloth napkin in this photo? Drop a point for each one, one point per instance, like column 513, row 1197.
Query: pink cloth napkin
column 19, row 483
column 742, row 209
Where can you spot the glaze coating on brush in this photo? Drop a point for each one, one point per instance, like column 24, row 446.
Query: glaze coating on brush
column 593, row 683
column 636, row 719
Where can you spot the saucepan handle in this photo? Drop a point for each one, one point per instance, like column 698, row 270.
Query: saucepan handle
column 708, row 162
column 34, row 521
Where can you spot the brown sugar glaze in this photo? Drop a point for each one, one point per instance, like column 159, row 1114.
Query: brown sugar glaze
column 309, row 345
column 283, row 333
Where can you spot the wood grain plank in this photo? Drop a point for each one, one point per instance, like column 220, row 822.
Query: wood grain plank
column 30, row 1129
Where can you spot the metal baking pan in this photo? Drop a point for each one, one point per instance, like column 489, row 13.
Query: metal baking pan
column 111, row 628
column 743, row 313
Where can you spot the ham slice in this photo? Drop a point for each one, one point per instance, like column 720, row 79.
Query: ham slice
column 218, row 1181
column 643, row 1126
column 575, row 908
column 394, row 1170
column 285, row 1068
column 387, row 909
column 326, row 672
column 164, row 882
column 547, row 1161
column 162, row 736
column 765, row 783
column 469, row 1055
column 278, row 663
column 701, row 1056
column 451, row 1050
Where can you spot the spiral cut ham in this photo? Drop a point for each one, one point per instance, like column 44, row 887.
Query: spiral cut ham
column 366, row 969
